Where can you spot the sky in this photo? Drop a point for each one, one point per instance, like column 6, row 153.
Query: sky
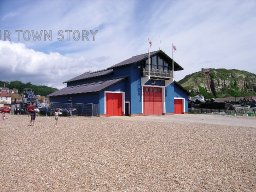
column 81, row 35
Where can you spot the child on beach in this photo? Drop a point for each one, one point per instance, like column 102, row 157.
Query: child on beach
column 3, row 115
column 56, row 115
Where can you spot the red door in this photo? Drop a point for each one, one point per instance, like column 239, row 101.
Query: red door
column 114, row 104
column 158, row 104
column 152, row 101
column 178, row 106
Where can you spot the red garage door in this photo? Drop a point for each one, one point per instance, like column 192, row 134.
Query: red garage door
column 114, row 104
column 152, row 101
column 178, row 106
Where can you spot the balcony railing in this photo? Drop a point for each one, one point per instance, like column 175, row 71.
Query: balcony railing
column 157, row 73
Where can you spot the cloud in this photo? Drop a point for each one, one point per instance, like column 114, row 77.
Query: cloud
column 21, row 63
column 9, row 15
column 217, row 34
column 207, row 33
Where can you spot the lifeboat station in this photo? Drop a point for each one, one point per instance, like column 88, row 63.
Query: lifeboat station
column 140, row 85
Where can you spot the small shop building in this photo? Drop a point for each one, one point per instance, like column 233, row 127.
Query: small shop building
column 136, row 86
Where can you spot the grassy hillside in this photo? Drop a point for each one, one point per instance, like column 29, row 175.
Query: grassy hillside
column 221, row 83
column 38, row 89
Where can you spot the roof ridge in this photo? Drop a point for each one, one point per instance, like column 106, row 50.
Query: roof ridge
column 90, row 75
column 146, row 53
column 98, row 71
column 94, row 82
column 86, row 88
column 133, row 59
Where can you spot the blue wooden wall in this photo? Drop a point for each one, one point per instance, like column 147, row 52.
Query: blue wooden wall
column 172, row 91
column 131, row 86
column 120, row 87
column 77, row 98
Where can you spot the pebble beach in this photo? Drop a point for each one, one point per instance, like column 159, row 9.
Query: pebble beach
column 153, row 153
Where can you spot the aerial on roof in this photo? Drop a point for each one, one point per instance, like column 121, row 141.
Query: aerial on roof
column 86, row 88
column 88, row 75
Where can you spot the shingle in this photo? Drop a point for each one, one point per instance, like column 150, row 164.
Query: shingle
column 88, row 75
column 86, row 88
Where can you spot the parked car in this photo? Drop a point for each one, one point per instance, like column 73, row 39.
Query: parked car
column 5, row 109
column 46, row 111
column 68, row 112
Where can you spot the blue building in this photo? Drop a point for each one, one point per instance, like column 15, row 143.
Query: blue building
column 135, row 86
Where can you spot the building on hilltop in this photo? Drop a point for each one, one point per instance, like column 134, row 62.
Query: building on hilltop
column 130, row 87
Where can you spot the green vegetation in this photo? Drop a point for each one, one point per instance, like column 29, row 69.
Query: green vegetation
column 221, row 83
column 38, row 89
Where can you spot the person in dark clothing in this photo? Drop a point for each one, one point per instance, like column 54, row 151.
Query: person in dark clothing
column 32, row 112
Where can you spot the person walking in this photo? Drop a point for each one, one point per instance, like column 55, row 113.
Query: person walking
column 32, row 112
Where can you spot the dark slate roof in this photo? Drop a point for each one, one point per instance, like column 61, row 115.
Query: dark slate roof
column 134, row 59
column 88, row 75
column 86, row 88
column 144, row 56
column 129, row 61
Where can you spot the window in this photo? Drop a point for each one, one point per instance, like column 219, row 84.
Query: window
column 154, row 62
column 160, row 64
column 165, row 66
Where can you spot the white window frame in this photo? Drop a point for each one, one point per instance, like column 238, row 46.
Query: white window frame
column 183, row 103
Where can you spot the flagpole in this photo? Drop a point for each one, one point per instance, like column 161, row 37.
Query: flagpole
column 149, row 60
column 172, row 64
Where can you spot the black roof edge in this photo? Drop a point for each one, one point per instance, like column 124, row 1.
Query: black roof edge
column 169, row 58
column 121, row 78
column 182, row 88
column 73, row 79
